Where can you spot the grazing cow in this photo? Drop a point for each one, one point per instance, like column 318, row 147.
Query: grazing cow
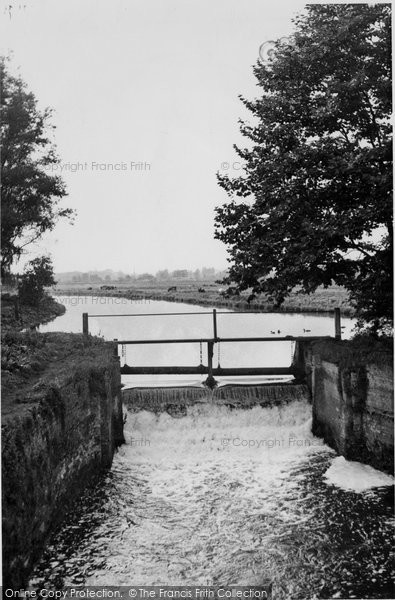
column 202, row 290
column 172, row 288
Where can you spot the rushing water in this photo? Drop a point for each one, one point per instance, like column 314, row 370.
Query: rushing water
column 224, row 496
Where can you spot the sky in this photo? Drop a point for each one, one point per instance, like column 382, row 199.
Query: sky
column 146, row 108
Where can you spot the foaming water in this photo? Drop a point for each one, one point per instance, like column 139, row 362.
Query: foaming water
column 224, row 496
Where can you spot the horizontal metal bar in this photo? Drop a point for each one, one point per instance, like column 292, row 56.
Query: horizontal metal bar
column 179, row 341
column 288, row 338
column 203, row 370
column 277, row 313
column 210, row 312
column 126, row 370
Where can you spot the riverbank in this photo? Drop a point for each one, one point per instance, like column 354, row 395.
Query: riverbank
column 211, row 294
column 59, row 432
column 62, row 419
column 16, row 316
column 25, row 354
column 34, row 362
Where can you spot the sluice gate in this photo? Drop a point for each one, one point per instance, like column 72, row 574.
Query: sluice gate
column 209, row 370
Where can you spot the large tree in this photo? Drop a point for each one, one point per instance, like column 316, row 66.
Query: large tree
column 30, row 191
column 314, row 204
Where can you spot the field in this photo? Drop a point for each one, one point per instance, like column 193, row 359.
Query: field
column 210, row 293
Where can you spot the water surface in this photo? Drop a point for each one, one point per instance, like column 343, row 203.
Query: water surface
column 226, row 497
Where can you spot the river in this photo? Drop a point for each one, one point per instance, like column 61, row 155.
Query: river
column 226, row 497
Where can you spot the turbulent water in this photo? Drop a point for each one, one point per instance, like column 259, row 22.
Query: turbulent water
column 223, row 496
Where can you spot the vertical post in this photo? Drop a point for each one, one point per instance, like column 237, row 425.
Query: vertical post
column 85, row 327
column 116, row 348
column 210, row 381
column 215, row 323
column 210, row 354
column 338, row 330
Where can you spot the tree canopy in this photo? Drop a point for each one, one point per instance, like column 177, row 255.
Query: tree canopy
column 30, row 191
column 314, row 203
column 37, row 275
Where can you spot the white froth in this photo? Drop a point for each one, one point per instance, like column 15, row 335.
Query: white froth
column 355, row 476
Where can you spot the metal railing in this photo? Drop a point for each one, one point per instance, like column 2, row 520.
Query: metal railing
column 215, row 339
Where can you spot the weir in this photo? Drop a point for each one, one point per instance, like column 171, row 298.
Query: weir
column 176, row 400
column 201, row 369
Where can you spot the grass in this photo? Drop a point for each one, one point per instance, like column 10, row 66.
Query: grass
column 33, row 362
column 323, row 300
column 29, row 316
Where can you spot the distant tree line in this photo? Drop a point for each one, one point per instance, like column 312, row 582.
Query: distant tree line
column 204, row 274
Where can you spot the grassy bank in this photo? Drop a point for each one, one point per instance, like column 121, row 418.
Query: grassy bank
column 25, row 354
column 16, row 316
column 35, row 362
column 61, row 422
column 211, row 294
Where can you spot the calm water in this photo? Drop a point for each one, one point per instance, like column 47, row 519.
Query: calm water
column 221, row 496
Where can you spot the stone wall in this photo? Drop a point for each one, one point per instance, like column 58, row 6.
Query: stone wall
column 53, row 449
column 352, row 396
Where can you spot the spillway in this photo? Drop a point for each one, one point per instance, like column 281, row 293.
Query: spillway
column 224, row 495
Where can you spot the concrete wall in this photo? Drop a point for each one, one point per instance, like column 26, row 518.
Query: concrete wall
column 352, row 396
column 51, row 451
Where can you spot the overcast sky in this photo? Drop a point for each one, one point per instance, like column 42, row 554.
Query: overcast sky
column 142, row 81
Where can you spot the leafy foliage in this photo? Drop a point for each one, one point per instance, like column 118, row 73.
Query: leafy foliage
column 38, row 274
column 30, row 193
column 314, row 205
